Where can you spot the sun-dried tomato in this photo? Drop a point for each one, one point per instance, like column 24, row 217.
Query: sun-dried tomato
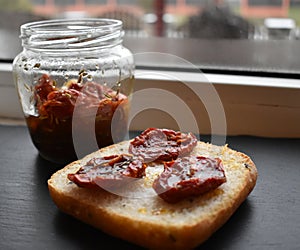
column 43, row 88
column 59, row 104
column 156, row 144
column 189, row 176
column 51, row 128
column 109, row 172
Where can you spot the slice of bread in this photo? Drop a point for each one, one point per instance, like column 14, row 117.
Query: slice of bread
column 139, row 216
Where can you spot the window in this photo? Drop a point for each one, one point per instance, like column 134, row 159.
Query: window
column 265, row 2
column 171, row 2
column 226, row 19
column 96, row 2
column 195, row 2
column 37, row 2
column 65, row 2
column 258, row 41
column 127, row 2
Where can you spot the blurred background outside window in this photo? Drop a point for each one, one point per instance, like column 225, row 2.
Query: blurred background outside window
column 189, row 19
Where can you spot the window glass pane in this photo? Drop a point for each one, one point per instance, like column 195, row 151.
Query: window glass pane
column 127, row 2
column 196, row 2
column 95, row 1
column 253, row 22
column 171, row 2
column 265, row 2
column 38, row 2
column 64, row 2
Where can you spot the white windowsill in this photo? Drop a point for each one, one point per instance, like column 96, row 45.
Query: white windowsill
column 257, row 106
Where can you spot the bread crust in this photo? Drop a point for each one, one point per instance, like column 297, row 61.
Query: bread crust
column 149, row 221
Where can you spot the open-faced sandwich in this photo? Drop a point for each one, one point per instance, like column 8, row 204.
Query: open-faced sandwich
column 163, row 189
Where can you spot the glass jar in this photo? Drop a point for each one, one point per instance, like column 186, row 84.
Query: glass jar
column 73, row 76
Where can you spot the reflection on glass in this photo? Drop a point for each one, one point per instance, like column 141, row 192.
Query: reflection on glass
column 201, row 19
column 208, row 19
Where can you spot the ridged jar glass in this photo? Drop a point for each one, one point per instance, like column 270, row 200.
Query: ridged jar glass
column 73, row 76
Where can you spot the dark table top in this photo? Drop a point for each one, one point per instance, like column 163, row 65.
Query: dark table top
column 268, row 219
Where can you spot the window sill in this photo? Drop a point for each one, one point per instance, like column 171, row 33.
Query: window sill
column 257, row 106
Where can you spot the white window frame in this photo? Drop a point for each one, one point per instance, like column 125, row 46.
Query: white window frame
column 256, row 106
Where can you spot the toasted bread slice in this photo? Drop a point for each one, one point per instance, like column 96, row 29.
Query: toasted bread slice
column 139, row 216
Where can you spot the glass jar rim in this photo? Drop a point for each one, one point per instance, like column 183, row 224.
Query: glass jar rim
column 63, row 25
column 71, row 34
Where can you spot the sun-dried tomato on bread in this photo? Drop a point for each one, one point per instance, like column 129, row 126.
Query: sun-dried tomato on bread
column 155, row 144
column 109, row 171
column 189, row 176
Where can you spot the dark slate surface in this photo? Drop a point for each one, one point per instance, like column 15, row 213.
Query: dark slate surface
column 268, row 219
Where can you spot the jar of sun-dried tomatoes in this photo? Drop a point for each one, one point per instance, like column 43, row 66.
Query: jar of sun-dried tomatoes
column 74, row 79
